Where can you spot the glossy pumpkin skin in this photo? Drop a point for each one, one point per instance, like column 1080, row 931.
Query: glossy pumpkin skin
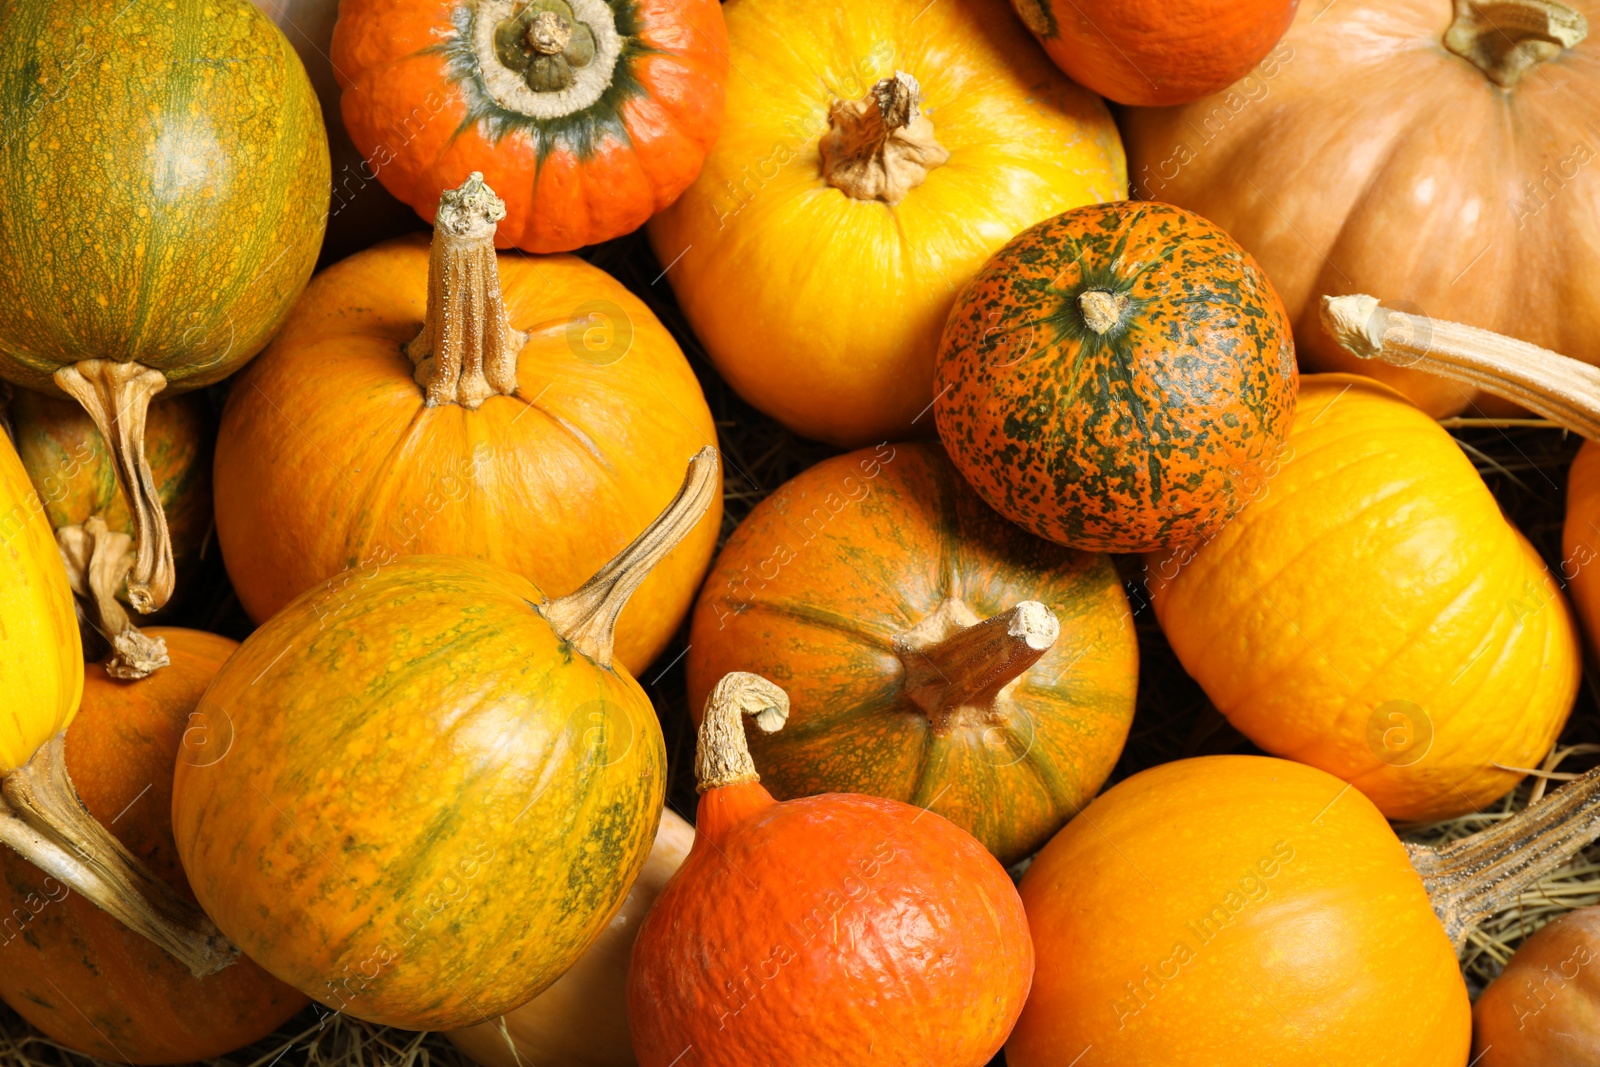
column 41, row 653
column 75, row 972
column 1364, row 157
column 1373, row 614
column 163, row 186
column 582, row 1020
column 549, row 483
column 1155, row 53
column 1236, row 909
column 1145, row 435
column 833, row 931
column 823, row 310
column 431, row 804
column 1541, row 1011
column 1580, row 537
column 816, row 583
column 574, row 167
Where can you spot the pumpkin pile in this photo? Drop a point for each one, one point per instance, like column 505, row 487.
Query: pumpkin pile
column 397, row 622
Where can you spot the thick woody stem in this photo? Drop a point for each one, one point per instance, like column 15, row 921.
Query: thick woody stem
column 1562, row 389
column 587, row 618
column 98, row 559
column 117, row 397
column 467, row 350
column 1470, row 879
column 721, row 756
column 1503, row 38
column 882, row 146
column 1102, row 310
column 42, row 819
column 957, row 680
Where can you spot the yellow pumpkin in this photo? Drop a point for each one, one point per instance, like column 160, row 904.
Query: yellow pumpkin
column 873, row 156
column 1372, row 613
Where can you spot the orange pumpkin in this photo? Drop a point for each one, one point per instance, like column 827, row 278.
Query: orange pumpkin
column 75, row 972
column 1541, row 1011
column 862, row 586
column 532, row 439
column 1580, row 537
column 829, row 931
column 588, row 116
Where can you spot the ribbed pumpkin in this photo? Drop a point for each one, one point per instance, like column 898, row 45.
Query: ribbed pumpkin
column 830, row 931
column 438, row 788
column 75, row 972
column 1540, row 1012
column 163, row 188
column 75, row 475
column 916, row 633
column 1385, row 147
column 582, row 1020
column 1373, row 613
column 875, row 154
column 587, row 115
column 1116, row 378
column 1154, row 52
column 527, row 412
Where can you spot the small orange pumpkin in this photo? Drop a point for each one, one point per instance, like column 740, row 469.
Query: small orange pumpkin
column 1541, row 1011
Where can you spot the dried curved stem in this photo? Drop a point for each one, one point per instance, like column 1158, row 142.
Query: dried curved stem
column 1503, row 38
column 43, row 820
column 957, row 678
column 587, row 618
column 721, row 757
column 98, row 560
column 882, row 146
column 117, row 397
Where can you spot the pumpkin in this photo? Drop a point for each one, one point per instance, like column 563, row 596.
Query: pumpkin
column 830, row 931
column 1152, row 53
column 587, row 115
column 74, row 473
column 875, row 155
column 933, row 653
column 582, row 1020
column 533, row 441
column 1540, row 1012
column 1372, row 612
column 1580, row 537
column 1116, row 378
column 438, row 789
column 162, row 195
column 73, row 971
column 1386, row 147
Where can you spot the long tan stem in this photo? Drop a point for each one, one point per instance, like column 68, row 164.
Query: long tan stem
column 117, row 397
column 1503, row 38
column 1562, row 389
column 1470, row 879
column 587, row 618
column 957, row 679
column 42, row 819
column 721, row 757
column 98, row 559
column 467, row 350
column 882, row 146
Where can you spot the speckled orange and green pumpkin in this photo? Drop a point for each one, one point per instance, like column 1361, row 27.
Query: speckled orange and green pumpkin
column 1116, row 378
column 163, row 185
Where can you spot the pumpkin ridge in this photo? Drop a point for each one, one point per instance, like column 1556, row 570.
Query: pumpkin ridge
column 857, row 631
column 370, row 514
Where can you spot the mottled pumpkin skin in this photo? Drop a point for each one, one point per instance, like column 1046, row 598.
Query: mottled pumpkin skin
column 73, row 971
column 550, row 483
column 1541, row 1011
column 1373, row 613
column 1236, row 909
column 431, row 804
column 1580, row 538
column 41, row 653
column 1144, row 436
column 815, row 584
column 416, row 105
column 163, row 186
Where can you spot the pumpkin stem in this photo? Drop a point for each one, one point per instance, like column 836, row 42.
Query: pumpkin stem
column 117, row 397
column 956, row 676
column 44, row 821
column 1503, row 38
column 1562, row 389
column 98, row 559
column 548, row 34
column 882, row 146
column 1102, row 310
column 1470, row 879
column 467, row 350
column 721, row 756
column 587, row 618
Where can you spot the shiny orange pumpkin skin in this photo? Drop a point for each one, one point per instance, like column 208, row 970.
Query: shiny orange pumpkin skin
column 1542, row 1010
column 75, row 972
